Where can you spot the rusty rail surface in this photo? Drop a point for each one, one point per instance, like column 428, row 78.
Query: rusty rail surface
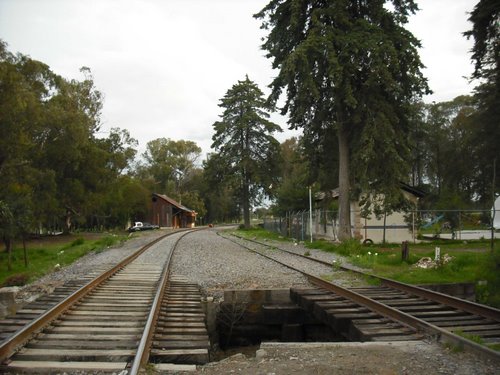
column 403, row 318
column 9, row 346
column 142, row 355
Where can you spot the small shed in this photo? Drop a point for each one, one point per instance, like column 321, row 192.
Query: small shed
column 395, row 225
column 166, row 212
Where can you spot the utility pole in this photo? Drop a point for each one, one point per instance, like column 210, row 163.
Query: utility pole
column 310, row 214
column 493, row 210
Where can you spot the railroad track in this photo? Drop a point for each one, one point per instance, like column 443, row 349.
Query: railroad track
column 392, row 310
column 110, row 324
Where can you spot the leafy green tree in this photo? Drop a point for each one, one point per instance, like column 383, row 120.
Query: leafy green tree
column 7, row 230
column 193, row 201
column 26, row 86
column 53, row 167
column 68, row 145
column 244, row 141
column 169, row 163
column 352, row 67
column 450, row 139
column 112, row 157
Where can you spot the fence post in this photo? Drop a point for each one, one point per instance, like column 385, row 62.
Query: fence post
column 302, row 225
column 405, row 251
column 310, row 214
column 459, row 225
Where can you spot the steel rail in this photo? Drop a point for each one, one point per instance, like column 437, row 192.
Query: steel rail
column 464, row 305
column 403, row 318
column 143, row 350
column 9, row 346
column 408, row 320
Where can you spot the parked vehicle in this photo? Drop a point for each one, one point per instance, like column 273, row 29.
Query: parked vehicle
column 140, row 226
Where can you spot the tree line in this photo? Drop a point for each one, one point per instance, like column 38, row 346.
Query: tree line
column 350, row 76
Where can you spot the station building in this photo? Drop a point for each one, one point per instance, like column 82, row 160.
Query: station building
column 166, row 212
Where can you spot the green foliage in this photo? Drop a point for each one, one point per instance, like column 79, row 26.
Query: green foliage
column 346, row 248
column 350, row 71
column 193, row 201
column 169, row 165
column 486, row 56
column 220, row 195
column 45, row 259
column 18, row 279
column 247, row 151
column 488, row 291
column 373, row 281
column 55, row 171
column 77, row 242
column 475, row 338
column 260, row 233
column 466, row 266
column 291, row 192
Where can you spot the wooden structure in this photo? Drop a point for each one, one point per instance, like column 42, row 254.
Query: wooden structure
column 166, row 212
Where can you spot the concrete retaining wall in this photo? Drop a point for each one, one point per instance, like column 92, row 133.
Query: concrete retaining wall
column 248, row 317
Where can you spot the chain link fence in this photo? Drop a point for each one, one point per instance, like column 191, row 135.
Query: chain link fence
column 394, row 227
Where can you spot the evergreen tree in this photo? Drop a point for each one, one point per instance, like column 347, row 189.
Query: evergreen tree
column 349, row 66
column 243, row 138
column 485, row 19
column 292, row 193
column 219, row 191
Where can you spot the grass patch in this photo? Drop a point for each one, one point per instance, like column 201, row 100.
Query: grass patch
column 260, row 234
column 494, row 346
column 475, row 338
column 472, row 261
column 46, row 257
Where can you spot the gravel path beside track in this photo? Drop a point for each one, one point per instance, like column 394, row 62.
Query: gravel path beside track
column 271, row 249
column 86, row 265
column 217, row 264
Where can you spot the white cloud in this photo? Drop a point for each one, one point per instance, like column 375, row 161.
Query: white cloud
column 164, row 65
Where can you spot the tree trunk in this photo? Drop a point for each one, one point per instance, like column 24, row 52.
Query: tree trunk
column 344, row 186
column 246, row 204
column 385, row 221
column 67, row 222
column 8, row 249
column 25, row 253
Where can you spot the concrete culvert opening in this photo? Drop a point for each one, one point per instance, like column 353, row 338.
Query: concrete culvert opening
column 245, row 318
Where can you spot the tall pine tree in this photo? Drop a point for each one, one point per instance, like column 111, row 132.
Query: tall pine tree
column 485, row 19
column 245, row 144
column 349, row 66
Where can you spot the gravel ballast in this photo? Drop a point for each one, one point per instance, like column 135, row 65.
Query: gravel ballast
column 217, row 264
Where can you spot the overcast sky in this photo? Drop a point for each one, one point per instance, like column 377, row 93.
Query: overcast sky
column 163, row 65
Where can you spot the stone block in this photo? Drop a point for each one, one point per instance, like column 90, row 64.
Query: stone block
column 8, row 295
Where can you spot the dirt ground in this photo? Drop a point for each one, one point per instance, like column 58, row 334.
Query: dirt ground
column 394, row 358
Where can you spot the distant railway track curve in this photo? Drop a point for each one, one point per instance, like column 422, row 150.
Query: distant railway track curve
column 417, row 312
column 106, row 325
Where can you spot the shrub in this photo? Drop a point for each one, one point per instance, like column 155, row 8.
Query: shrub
column 19, row 279
column 106, row 241
column 79, row 241
column 350, row 247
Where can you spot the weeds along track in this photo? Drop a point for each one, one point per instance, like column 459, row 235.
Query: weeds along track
column 389, row 311
column 106, row 325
